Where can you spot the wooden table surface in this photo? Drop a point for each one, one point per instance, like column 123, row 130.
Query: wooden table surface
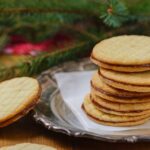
column 26, row 130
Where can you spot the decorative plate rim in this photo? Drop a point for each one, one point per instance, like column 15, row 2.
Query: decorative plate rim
column 40, row 119
column 71, row 131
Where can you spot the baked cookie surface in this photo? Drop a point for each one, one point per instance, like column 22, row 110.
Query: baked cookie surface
column 136, row 82
column 100, row 88
column 18, row 97
column 126, row 50
column 120, row 113
column 27, row 146
column 121, row 68
column 123, row 107
column 111, row 119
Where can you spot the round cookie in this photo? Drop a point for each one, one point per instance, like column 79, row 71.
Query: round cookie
column 27, row 146
column 103, row 90
column 120, row 106
column 119, row 113
column 118, row 99
column 118, row 124
column 136, row 82
column 120, row 68
column 18, row 97
column 110, row 119
column 119, row 52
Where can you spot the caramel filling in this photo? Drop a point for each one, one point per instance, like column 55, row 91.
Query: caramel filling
column 124, row 96
column 122, row 82
column 117, row 65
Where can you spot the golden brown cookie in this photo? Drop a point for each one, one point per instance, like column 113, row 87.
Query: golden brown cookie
column 18, row 97
column 115, row 95
column 120, row 113
column 119, row 99
column 123, row 107
column 110, row 119
column 119, row 67
column 123, row 53
column 118, row 124
column 136, row 82
column 27, row 146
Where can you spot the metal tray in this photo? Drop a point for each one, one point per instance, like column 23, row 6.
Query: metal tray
column 53, row 114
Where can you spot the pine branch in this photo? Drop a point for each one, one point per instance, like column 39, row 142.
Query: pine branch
column 114, row 13
column 32, row 66
column 47, row 24
column 36, row 65
column 137, row 29
column 138, row 7
column 3, row 41
column 31, row 19
column 42, row 26
column 83, row 32
column 82, row 7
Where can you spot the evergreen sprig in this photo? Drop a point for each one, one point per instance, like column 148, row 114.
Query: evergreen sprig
column 38, row 20
column 114, row 13
column 35, row 65
column 29, row 66
column 49, row 6
column 26, row 12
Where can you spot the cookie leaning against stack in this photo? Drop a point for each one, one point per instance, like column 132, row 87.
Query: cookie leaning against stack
column 120, row 89
column 17, row 97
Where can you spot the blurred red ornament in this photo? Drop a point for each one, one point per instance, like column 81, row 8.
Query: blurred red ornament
column 20, row 46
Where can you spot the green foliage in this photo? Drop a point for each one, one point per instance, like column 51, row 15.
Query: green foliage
column 27, row 17
column 63, row 6
column 114, row 13
column 3, row 41
column 138, row 7
column 33, row 66
column 28, row 13
column 41, row 26
column 85, row 20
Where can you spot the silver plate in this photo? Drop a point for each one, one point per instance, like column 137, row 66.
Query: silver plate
column 55, row 115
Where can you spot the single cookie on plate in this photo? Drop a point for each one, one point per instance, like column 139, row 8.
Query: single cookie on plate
column 120, row 113
column 123, row 107
column 136, row 82
column 18, row 97
column 127, row 53
column 27, row 146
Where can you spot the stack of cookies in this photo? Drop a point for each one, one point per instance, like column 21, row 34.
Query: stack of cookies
column 120, row 89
